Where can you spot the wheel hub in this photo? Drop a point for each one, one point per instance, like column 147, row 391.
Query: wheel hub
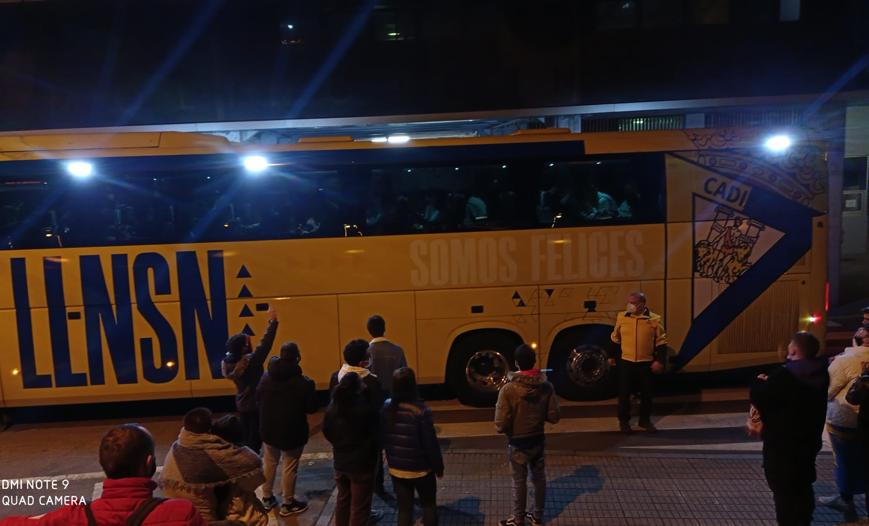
column 587, row 365
column 487, row 370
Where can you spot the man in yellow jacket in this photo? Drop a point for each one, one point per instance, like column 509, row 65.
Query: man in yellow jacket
column 642, row 341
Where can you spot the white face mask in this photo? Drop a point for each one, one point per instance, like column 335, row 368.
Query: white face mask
column 632, row 308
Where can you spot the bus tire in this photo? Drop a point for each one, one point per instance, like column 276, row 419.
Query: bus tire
column 580, row 363
column 478, row 365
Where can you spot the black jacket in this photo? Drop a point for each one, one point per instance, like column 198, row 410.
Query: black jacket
column 409, row 438
column 793, row 404
column 353, row 434
column 372, row 391
column 247, row 369
column 284, row 397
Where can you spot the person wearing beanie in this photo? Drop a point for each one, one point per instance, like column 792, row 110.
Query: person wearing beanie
column 244, row 366
column 285, row 397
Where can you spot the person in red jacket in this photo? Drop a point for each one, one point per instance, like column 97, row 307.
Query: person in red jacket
column 127, row 458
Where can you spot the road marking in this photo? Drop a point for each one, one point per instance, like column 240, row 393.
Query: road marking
column 328, row 510
column 599, row 424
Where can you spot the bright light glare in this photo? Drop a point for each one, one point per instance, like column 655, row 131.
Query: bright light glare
column 778, row 143
column 80, row 169
column 255, row 163
column 378, row 139
column 398, row 139
column 813, row 319
column 289, row 26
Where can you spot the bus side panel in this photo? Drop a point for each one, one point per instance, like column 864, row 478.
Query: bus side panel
column 576, row 304
column 310, row 321
column 56, row 367
column 442, row 315
column 436, row 336
column 397, row 308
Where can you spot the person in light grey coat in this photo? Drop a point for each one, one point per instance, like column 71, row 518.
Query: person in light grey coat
column 385, row 356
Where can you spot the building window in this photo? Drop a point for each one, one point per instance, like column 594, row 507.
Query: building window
column 662, row 13
column 616, row 14
column 394, row 25
column 710, row 11
column 789, row 10
column 756, row 11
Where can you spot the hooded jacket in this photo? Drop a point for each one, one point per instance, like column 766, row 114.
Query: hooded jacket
column 285, row 396
column 792, row 403
column 245, row 370
column 372, row 392
column 524, row 406
column 409, row 438
column 120, row 498
column 198, row 464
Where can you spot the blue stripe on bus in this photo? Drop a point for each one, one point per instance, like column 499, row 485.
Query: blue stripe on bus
column 776, row 211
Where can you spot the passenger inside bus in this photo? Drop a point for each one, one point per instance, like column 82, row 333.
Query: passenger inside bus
column 141, row 206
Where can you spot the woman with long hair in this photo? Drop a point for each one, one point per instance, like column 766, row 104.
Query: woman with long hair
column 412, row 449
column 351, row 426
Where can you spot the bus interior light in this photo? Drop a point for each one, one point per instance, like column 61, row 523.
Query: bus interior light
column 778, row 143
column 80, row 169
column 255, row 163
column 398, row 139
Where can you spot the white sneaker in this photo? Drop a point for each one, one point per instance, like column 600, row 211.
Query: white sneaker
column 837, row 503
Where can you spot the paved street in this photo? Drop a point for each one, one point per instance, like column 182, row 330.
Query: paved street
column 700, row 469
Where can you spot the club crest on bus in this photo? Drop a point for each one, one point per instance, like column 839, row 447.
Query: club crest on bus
column 725, row 253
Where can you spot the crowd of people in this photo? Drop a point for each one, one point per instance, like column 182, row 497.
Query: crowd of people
column 794, row 404
column 377, row 424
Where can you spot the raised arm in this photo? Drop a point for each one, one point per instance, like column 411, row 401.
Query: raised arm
column 265, row 344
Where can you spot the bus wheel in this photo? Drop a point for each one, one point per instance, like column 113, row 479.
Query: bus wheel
column 478, row 366
column 580, row 364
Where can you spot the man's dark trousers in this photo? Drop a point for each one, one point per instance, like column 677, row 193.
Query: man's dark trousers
column 790, row 478
column 635, row 377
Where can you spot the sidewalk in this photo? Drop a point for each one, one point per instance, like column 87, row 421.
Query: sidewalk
column 642, row 489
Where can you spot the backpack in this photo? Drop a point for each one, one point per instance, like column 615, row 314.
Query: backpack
column 135, row 519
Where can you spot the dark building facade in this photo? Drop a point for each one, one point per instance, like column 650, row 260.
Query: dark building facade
column 109, row 63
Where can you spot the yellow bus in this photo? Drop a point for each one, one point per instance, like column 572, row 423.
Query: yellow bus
column 128, row 259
